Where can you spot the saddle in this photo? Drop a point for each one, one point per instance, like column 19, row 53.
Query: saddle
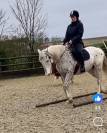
column 86, row 56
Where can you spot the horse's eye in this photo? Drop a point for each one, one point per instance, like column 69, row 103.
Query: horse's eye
column 49, row 57
column 47, row 61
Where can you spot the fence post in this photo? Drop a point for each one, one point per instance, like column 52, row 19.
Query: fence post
column 105, row 45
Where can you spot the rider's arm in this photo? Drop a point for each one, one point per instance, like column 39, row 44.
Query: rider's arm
column 79, row 34
column 67, row 37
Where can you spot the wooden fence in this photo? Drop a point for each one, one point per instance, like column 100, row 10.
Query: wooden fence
column 20, row 65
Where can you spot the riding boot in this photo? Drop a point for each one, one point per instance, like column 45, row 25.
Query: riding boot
column 82, row 67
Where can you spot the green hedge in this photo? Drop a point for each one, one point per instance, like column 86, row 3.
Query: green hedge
column 101, row 45
column 16, row 48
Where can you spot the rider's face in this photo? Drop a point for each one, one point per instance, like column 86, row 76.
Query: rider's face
column 73, row 18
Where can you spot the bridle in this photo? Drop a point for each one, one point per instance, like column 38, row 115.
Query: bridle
column 47, row 53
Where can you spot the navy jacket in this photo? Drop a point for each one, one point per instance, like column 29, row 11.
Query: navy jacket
column 74, row 33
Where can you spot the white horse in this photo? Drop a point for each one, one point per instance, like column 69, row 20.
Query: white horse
column 65, row 64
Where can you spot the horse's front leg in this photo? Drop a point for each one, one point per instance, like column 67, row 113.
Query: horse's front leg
column 67, row 82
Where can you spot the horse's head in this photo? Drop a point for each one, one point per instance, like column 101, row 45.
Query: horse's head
column 50, row 55
column 46, row 61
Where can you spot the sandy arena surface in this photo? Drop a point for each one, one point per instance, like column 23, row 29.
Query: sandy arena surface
column 19, row 96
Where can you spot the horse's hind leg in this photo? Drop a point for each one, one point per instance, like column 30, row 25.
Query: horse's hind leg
column 97, row 73
column 67, row 82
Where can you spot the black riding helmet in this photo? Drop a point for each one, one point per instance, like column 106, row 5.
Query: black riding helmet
column 74, row 13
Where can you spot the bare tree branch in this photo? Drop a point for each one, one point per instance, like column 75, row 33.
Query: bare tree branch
column 28, row 14
column 3, row 21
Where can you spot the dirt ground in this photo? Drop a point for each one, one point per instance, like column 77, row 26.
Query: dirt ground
column 19, row 96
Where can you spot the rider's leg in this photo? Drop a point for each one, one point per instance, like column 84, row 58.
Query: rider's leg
column 77, row 51
column 81, row 61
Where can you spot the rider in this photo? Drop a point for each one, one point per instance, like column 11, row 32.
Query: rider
column 73, row 38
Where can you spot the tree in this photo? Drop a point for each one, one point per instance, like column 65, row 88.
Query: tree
column 56, row 40
column 3, row 21
column 28, row 14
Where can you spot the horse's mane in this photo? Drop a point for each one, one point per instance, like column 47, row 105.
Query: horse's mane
column 56, row 50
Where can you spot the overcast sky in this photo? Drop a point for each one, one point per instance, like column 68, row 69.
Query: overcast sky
column 93, row 14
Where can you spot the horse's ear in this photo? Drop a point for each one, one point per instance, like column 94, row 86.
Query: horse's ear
column 39, row 51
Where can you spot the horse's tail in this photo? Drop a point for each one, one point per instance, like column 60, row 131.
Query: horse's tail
column 105, row 64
